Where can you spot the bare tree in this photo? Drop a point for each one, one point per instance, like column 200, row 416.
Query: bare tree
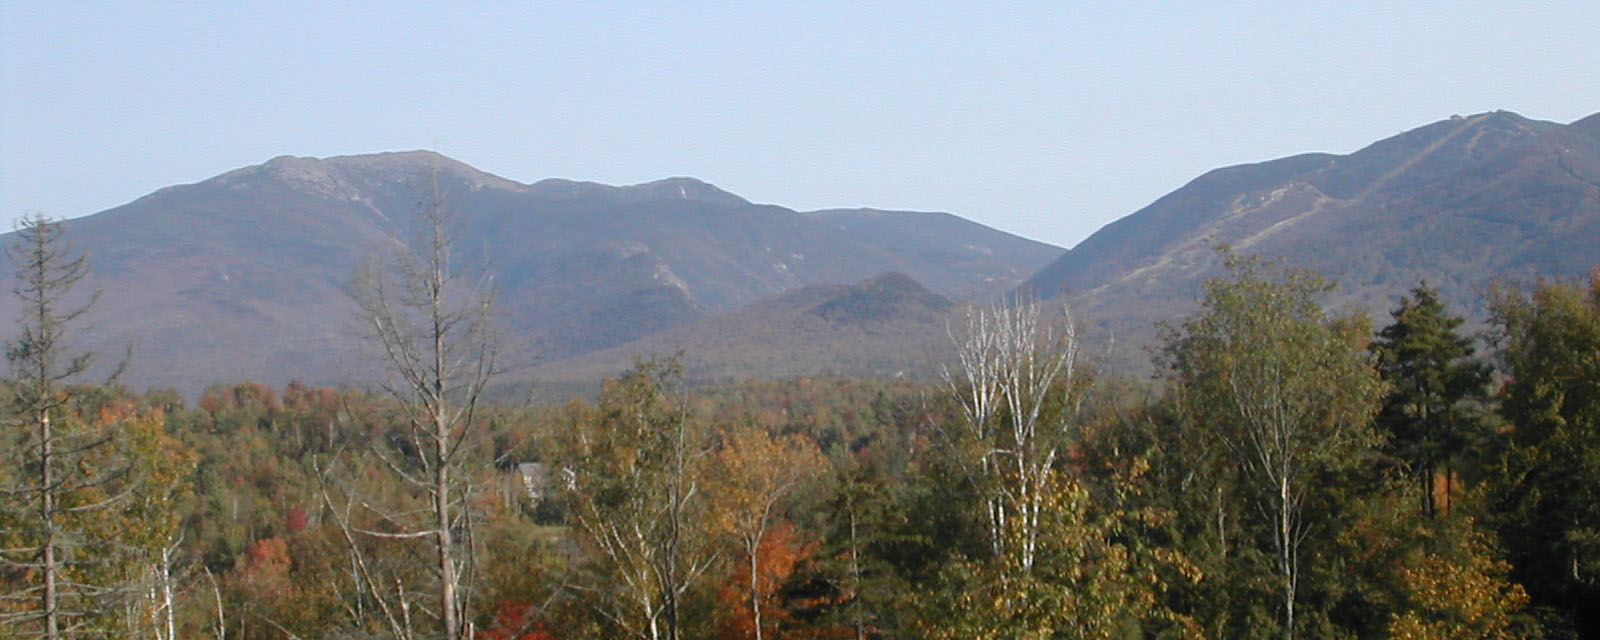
column 435, row 333
column 61, row 484
column 1014, row 362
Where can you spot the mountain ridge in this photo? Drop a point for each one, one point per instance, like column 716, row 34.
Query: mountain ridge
column 885, row 326
column 245, row 275
column 1460, row 203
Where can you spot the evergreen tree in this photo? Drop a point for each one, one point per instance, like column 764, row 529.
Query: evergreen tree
column 1435, row 407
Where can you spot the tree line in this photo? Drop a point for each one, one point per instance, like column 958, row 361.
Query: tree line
column 1290, row 473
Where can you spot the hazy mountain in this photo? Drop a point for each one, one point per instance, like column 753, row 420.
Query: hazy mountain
column 1458, row 203
column 950, row 249
column 244, row 276
column 888, row 326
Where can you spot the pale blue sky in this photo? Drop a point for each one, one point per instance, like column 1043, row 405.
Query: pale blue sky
column 1044, row 119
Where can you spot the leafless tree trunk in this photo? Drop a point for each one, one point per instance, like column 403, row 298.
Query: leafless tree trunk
column 46, row 272
column 435, row 333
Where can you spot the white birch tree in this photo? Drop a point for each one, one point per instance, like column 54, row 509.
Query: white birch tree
column 632, row 473
column 1018, row 387
column 1287, row 390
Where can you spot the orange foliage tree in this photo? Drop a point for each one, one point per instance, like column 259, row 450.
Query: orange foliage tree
column 783, row 550
column 757, row 471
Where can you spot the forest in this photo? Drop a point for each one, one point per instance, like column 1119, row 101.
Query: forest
column 1290, row 472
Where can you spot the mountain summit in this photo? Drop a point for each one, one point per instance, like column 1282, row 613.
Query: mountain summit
column 1458, row 203
column 244, row 275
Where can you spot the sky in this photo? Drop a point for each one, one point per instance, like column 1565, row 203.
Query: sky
column 1044, row 119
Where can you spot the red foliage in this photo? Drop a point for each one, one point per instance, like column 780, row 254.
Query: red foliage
column 320, row 402
column 515, row 621
column 116, row 411
column 214, row 401
column 781, row 552
column 245, row 395
column 255, row 393
column 266, row 568
column 271, row 554
column 296, row 520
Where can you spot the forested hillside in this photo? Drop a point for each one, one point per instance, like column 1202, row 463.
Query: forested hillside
column 1293, row 472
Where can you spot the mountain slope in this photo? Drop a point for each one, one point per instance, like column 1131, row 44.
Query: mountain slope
column 885, row 326
column 243, row 276
column 951, row 250
column 1458, row 203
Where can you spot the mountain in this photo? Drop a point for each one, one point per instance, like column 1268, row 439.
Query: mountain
column 1458, row 203
column 245, row 275
column 887, row 326
column 948, row 246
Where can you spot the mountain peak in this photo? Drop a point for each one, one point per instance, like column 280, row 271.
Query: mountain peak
column 682, row 188
column 880, row 298
column 1589, row 124
column 676, row 188
column 894, row 284
column 1458, row 202
column 398, row 165
column 338, row 175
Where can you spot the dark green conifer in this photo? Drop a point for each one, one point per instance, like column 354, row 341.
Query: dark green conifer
column 1437, row 393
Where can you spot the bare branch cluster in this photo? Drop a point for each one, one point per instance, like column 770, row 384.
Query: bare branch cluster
column 1017, row 391
column 435, row 332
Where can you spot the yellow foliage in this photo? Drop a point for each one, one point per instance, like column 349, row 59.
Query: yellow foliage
column 1465, row 597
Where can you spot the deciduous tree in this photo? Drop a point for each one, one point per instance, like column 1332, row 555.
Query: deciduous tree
column 632, row 470
column 1017, row 385
column 756, row 471
column 1289, row 391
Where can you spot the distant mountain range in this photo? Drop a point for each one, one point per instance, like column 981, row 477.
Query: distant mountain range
column 244, row 276
column 1459, row 204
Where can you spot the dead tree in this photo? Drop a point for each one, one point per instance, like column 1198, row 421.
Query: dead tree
column 69, row 468
column 435, row 334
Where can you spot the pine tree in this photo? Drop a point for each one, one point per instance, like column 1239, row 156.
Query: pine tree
column 1436, row 403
